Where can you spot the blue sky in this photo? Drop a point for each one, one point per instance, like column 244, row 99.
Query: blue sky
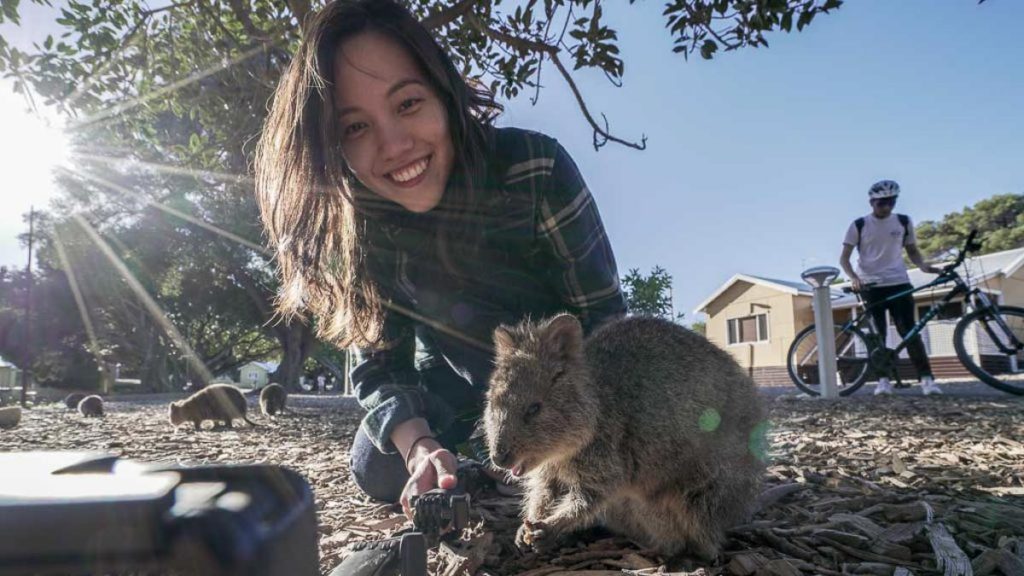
column 758, row 160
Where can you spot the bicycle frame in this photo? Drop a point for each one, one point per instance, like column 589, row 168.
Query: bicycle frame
column 959, row 288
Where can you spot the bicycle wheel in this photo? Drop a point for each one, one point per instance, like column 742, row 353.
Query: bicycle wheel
column 852, row 362
column 990, row 345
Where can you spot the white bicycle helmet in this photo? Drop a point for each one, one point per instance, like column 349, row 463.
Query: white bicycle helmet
column 884, row 189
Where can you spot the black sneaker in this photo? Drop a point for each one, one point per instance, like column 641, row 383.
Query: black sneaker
column 404, row 555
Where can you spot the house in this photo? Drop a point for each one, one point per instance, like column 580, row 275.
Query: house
column 256, row 374
column 756, row 319
column 10, row 376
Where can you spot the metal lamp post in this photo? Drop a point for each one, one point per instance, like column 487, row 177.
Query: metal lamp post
column 820, row 278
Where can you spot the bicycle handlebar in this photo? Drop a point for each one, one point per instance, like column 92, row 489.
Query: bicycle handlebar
column 969, row 246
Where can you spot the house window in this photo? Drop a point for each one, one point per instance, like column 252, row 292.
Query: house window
column 951, row 311
column 748, row 329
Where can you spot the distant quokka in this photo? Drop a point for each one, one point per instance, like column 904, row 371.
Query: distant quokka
column 272, row 399
column 91, row 407
column 645, row 428
column 217, row 402
column 72, row 400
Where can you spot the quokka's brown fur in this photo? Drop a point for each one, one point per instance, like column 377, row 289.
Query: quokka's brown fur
column 272, row 399
column 217, row 402
column 91, row 407
column 645, row 427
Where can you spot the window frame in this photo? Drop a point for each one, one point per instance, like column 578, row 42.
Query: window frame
column 762, row 328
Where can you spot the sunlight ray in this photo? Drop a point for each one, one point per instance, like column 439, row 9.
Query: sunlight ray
column 166, row 169
column 87, row 82
column 177, row 213
column 147, row 301
column 140, row 100
column 83, row 310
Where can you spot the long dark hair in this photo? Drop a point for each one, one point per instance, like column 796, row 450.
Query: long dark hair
column 314, row 210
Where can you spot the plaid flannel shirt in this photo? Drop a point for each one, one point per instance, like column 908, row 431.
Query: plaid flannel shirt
column 543, row 250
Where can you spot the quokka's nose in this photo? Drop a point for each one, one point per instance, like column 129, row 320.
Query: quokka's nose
column 502, row 457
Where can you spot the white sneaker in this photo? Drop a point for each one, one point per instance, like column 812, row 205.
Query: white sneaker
column 884, row 386
column 929, row 387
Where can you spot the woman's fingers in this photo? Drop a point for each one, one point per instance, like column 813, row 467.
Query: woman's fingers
column 437, row 470
column 423, row 479
column 445, row 466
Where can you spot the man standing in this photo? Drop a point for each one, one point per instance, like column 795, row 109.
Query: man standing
column 880, row 238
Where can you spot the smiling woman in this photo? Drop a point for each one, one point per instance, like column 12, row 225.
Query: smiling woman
column 32, row 146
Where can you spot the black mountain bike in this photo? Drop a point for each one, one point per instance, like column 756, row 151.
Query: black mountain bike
column 989, row 340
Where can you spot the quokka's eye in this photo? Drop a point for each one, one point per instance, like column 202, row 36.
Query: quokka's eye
column 531, row 411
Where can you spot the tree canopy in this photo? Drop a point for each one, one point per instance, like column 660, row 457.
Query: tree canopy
column 157, row 224
column 999, row 221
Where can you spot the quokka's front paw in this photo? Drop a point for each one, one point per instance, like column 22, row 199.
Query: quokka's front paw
column 536, row 536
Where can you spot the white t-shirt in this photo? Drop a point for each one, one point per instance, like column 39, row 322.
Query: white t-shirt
column 880, row 251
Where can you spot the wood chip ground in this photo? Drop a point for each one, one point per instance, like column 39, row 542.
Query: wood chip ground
column 903, row 485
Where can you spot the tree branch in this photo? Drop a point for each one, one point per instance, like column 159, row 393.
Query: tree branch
column 598, row 131
column 728, row 45
column 208, row 11
column 300, row 9
column 148, row 13
column 242, row 13
column 552, row 53
column 447, row 15
column 105, row 58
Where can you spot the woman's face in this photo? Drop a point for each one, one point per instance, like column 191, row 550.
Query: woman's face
column 394, row 127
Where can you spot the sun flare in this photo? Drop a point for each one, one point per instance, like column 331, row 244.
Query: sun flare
column 33, row 145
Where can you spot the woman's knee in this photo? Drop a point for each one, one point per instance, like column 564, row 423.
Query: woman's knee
column 380, row 476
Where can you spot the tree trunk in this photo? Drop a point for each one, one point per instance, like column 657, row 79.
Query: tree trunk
column 297, row 343
column 153, row 371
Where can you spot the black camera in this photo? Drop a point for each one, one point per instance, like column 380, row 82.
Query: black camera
column 84, row 513
column 440, row 511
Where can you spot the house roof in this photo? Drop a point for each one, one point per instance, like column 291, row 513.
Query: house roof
column 268, row 366
column 787, row 286
column 5, row 363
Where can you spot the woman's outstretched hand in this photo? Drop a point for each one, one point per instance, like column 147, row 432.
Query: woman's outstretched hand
column 430, row 467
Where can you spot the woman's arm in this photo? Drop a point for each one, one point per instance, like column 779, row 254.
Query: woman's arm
column 386, row 384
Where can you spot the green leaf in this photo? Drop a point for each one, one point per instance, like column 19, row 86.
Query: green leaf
column 708, row 49
column 787, row 21
column 10, row 9
column 804, row 20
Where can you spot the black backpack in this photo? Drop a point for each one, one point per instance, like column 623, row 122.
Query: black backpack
column 903, row 218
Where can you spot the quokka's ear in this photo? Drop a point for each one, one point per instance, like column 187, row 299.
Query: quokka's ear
column 564, row 335
column 504, row 342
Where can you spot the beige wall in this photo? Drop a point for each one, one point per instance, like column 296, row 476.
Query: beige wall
column 744, row 299
column 803, row 312
column 252, row 376
column 9, row 377
column 1013, row 289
